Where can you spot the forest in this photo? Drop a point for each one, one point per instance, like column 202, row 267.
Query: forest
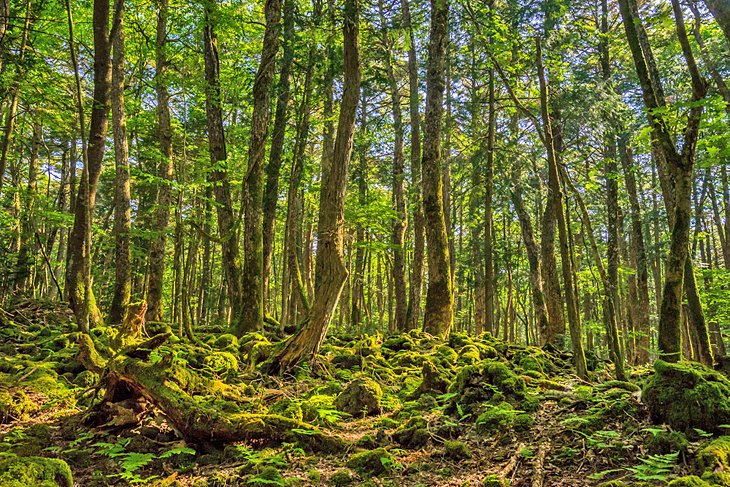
column 364, row 242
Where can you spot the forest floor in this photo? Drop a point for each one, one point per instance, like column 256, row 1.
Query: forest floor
column 406, row 410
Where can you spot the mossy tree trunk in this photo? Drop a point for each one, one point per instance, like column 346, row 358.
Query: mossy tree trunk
column 122, row 212
column 273, row 168
column 413, row 310
column 331, row 270
column 400, row 221
column 721, row 11
column 439, row 312
column 218, row 176
column 679, row 164
column 252, row 303
column 165, row 171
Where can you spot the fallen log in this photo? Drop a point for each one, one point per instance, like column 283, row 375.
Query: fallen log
column 198, row 424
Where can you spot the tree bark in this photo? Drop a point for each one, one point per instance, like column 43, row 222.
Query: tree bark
column 165, row 171
column 400, row 222
column 78, row 272
column 565, row 257
column 439, row 312
column 413, row 310
column 273, row 168
column 331, row 270
column 218, row 176
column 721, row 11
column 252, row 303
column 639, row 252
column 122, row 212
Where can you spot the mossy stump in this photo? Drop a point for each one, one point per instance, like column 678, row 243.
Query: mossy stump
column 686, row 396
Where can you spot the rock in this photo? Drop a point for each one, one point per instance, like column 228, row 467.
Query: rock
column 373, row 462
column 433, row 381
column 414, row 434
column 360, row 398
column 456, row 450
column 35, row 472
column 715, row 456
column 687, row 396
column 343, row 477
column 689, row 481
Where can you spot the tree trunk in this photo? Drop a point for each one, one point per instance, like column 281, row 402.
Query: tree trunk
column 273, row 168
column 439, row 313
column 165, row 171
column 331, row 270
column 218, row 175
column 721, row 11
column 639, row 252
column 413, row 310
column 122, row 213
column 27, row 241
column 400, row 222
column 565, row 258
column 78, row 272
column 252, row 303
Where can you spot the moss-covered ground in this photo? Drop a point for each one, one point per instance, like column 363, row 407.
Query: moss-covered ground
column 406, row 410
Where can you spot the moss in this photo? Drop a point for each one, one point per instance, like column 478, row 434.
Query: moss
column 687, row 396
column 495, row 418
column 288, row 408
column 618, row 384
column 665, row 441
column 343, row 477
column 469, row 355
column 86, row 379
column 408, row 358
column 414, row 434
column 373, row 462
column 221, row 363
column 433, row 380
column 714, row 456
column 523, row 422
column 226, row 342
column 688, row 481
column 456, row 450
column 493, row 480
column 716, row 478
column 361, row 397
column 35, row 471
column 266, row 478
column 396, row 343
column 314, row 476
column 16, row 405
column 447, row 354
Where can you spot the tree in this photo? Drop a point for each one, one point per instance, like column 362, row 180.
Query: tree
column 439, row 313
column 331, row 270
column 252, row 304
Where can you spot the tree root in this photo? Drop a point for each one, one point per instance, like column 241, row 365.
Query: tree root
column 132, row 376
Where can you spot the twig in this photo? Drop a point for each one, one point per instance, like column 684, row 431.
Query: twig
column 511, row 465
column 539, row 471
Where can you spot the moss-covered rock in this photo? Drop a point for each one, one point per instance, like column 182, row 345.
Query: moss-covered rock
column 226, row 341
column 688, row 481
column 373, row 462
column 35, row 472
column 665, row 441
column 360, row 398
column 414, row 434
column 343, row 477
column 456, row 450
column 688, row 395
column 221, row 363
column 496, row 418
column 715, row 456
column 266, row 478
column 434, row 381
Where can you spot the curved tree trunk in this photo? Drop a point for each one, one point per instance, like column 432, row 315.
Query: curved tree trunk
column 331, row 270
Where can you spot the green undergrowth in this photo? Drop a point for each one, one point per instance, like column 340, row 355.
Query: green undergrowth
column 407, row 409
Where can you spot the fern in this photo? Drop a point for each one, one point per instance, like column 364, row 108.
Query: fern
column 655, row 467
